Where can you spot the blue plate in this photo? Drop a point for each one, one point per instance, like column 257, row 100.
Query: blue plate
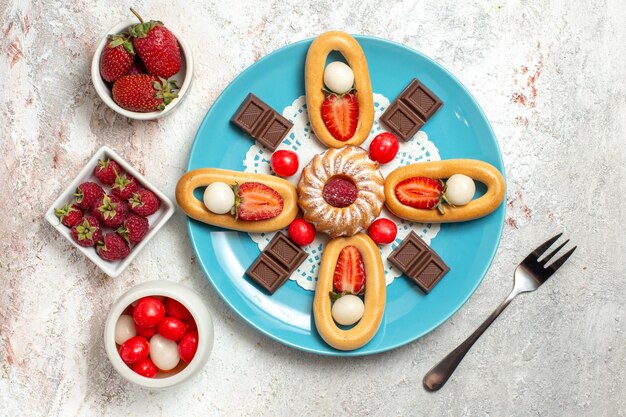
column 459, row 130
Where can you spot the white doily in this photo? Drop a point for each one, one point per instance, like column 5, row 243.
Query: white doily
column 303, row 141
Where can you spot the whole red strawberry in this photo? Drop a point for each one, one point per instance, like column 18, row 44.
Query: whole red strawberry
column 110, row 211
column 143, row 93
column 144, row 202
column 134, row 229
column 69, row 215
column 87, row 231
column 117, row 57
column 87, row 193
column 107, row 170
column 124, row 186
column 156, row 46
column 112, row 247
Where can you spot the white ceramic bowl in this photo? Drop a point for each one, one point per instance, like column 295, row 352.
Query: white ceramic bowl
column 157, row 220
column 198, row 310
column 183, row 76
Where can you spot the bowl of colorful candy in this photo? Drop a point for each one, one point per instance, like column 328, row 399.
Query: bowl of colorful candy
column 158, row 334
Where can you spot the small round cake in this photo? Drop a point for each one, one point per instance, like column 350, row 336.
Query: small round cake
column 341, row 191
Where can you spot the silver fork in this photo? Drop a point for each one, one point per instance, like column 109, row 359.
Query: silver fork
column 529, row 275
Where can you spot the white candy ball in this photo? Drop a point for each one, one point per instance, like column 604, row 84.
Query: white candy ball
column 338, row 77
column 124, row 329
column 219, row 198
column 348, row 310
column 460, row 189
column 164, row 352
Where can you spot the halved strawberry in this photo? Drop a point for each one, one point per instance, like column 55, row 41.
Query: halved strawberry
column 349, row 275
column 340, row 114
column 255, row 201
column 421, row 193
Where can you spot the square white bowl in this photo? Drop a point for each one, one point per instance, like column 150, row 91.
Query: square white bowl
column 157, row 220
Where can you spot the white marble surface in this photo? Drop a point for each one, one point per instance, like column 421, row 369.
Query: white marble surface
column 550, row 77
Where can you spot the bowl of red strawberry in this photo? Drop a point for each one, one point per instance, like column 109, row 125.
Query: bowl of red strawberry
column 110, row 211
column 158, row 334
column 142, row 69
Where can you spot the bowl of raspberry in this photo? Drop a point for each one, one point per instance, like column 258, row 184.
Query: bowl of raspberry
column 158, row 334
column 110, row 211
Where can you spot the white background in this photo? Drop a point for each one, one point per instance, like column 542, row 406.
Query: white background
column 550, row 77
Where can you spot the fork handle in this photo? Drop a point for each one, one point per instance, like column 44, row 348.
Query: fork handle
column 439, row 374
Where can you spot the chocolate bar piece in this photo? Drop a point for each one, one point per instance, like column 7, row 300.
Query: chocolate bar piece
column 401, row 120
column 419, row 262
column 410, row 110
column 267, row 273
column 280, row 258
column 261, row 122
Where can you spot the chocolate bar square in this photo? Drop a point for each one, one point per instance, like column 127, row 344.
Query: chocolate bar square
column 260, row 121
column 406, row 115
column 249, row 113
column 406, row 253
column 267, row 273
column 285, row 252
column 280, row 258
column 427, row 274
column 419, row 262
column 273, row 130
column 401, row 120
column 423, row 101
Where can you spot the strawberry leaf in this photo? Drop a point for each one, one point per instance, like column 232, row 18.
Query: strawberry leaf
column 115, row 42
column 334, row 296
column 329, row 92
column 141, row 29
column 233, row 210
column 123, row 40
column 129, row 47
column 164, row 92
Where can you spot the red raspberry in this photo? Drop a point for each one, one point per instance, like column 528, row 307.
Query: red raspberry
column 87, row 231
column 112, row 247
column 110, row 210
column 87, row 194
column 107, row 170
column 144, row 202
column 124, row 186
column 134, row 229
column 69, row 215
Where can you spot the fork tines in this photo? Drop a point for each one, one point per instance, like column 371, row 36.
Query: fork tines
column 537, row 253
column 557, row 264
